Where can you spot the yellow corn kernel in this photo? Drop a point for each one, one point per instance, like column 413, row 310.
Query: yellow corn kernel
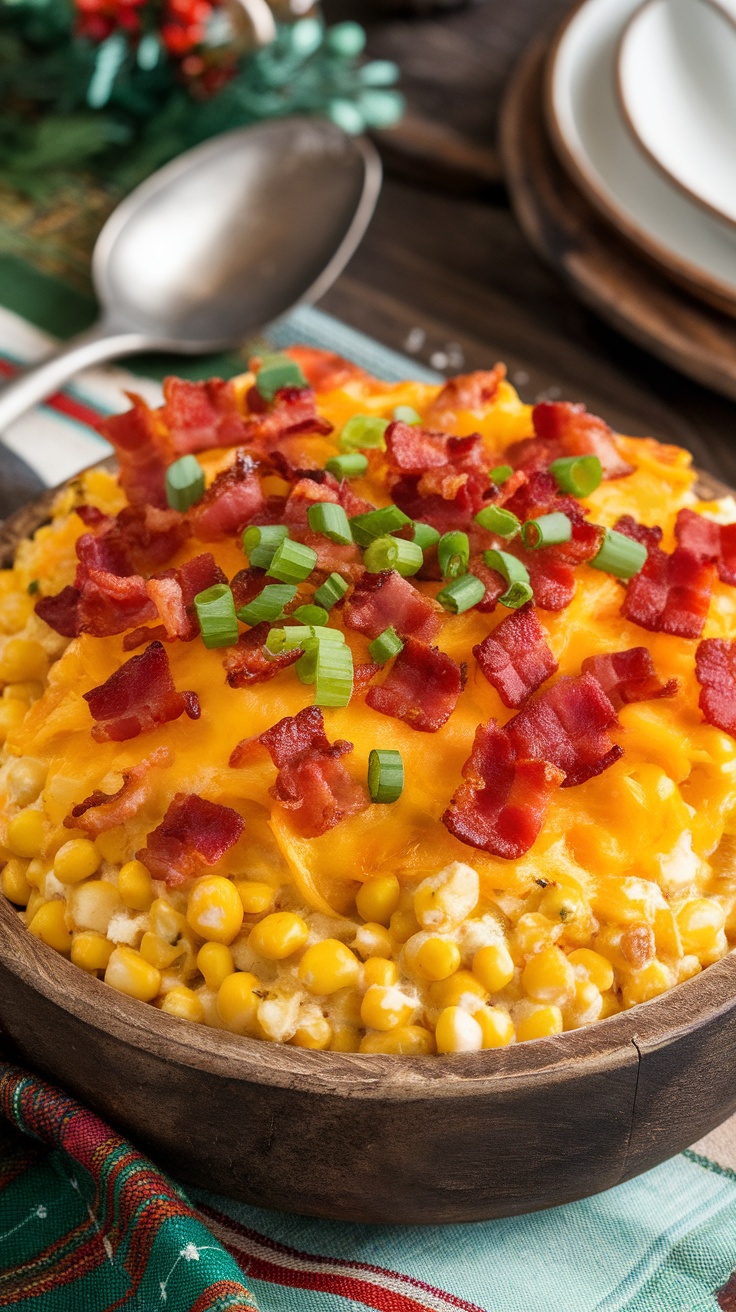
column 598, row 969
column 565, row 904
column 29, row 690
column 549, row 977
column 22, row 658
column 329, row 966
column 584, row 1006
column 135, row 886
column 373, row 940
column 255, row 896
column 278, row 936
column 49, row 924
column 129, row 973
column 165, row 920
column 92, row 904
column 12, row 714
column 611, row 1006
column 36, row 900
column 460, row 986
column 215, row 961
column 313, row 1031
column 493, row 966
column 384, row 1007
column 458, row 1031
column 378, row 898
column 687, row 967
column 15, row 885
column 625, row 901
column 700, row 921
column 237, row 1001
column 214, row 910
column 378, row 970
column 26, row 778
column 345, row 1038
column 16, row 609
column 76, row 860
column 532, row 932
column 437, row 958
column 157, row 952
column 90, row 950
column 278, row 1017
column 444, row 900
column 649, row 982
column 26, row 834
column 36, row 872
column 402, row 925
column 666, row 933
column 496, row 1025
column 183, row 1002
column 407, row 1041
column 539, row 1023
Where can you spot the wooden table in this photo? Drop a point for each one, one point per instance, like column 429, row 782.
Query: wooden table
column 453, row 266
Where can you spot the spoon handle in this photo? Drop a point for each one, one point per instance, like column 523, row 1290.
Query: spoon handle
column 100, row 342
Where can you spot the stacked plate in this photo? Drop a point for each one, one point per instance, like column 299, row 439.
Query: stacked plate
column 641, row 107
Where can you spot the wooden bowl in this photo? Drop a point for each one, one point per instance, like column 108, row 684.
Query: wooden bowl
column 405, row 1140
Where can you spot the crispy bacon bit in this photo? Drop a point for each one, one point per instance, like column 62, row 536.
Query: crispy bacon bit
column 109, row 604
column 137, row 637
column 62, row 612
column 91, row 517
column 137, row 697
column 552, row 579
column 202, row 415
column 192, row 834
column 173, row 594
column 312, row 780
column 468, row 391
column 628, row 676
column 380, row 600
column 495, row 585
column 414, row 450
column 304, row 494
column 293, row 410
column 248, row 661
column 102, row 811
column 516, row 658
column 149, row 536
column 325, row 370
column 579, row 434
column 230, row 503
column 649, row 536
column 363, row 674
column 247, row 584
column 708, row 541
column 715, row 668
column 144, row 451
column 671, row 593
column 502, row 804
column 567, row 725
column 422, row 687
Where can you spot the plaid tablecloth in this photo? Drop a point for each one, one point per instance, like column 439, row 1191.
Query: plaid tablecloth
column 87, row 1224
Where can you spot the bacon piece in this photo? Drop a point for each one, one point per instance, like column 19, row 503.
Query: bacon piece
column 137, row 697
column 495, row 585
column 202, row 415
column 414, row 450
column 229, row 504
column 579, row 434
column 193, row 833
column 567, row 725
column 137, row 637
column 109, row 604
column 102, row 811
column 380, row 600
column 473, row 391
column 174, row 590
column 304, row 494
column 671, row 593
column 501, row 806
column 715, row 668
column 248, row 662
column 312, row 780
column 148, row 535
column 247, row 584
column 91, row 517
column 422, row 687
column 649, row 536
column 363, row 674
column 708, row 541
column 325, row 370
column 516, row 658
column 62, row 611
column 144, row 451
column 628, row 676
column 551, row 578
column 293, row 410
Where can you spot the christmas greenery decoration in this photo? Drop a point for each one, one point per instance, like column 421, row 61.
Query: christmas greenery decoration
column 115, row 88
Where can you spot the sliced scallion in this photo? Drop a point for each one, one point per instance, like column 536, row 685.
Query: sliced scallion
column 386, row 645
column 461, row 594
column 260, row 543
column 497, row 520
column 215, row 609
column 350, row 465
column 296, row 635
column 363, row 432
column 269, row 604
column 619, row 555
column 425, row 535
column 292, row 562
column 385, row 775
column 546, row 530
column 577, row 475
column 376, row 523
column 277, row 371
column 332, row 590
column 406, row 414
column 393, row 553
column 501, row 473
column 515, row 574
column 333, row 684
column 310, row 615
column 184, row 483
column 329, row 518
column 453, row 553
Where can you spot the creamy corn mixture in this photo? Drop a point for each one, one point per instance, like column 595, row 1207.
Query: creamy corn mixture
column 385, row 934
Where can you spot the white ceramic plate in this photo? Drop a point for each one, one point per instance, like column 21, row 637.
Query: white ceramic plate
column 677, row 84
column 596, row 147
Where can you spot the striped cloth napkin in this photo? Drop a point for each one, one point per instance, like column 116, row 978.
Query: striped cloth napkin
column 87, row 1224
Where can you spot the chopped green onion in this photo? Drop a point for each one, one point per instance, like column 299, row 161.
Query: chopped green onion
column 334, row 675
column 453, row 553
column 330, row 519
column 393, row 553
column 269, row 604
column 33, row 587
column 579, row 475
column 215, row 609
column 310, row 615
column 277, row 371
column 460, row 594
column 350, row 465
column 376, row 523
column 385, row 775
column 501, row 473
column 546, row 531
column 184, row 483
column 332, row 590
column 406, row 414
column 497, row 520
column 306, row 667
column 515, row 574
column 261, row 544
column 425, row 535
column 386, row 645
column 362, row 432
column 292, row 562
column 619, row 555
column 296, row 635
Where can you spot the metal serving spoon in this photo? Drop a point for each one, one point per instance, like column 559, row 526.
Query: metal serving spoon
column 218, row 244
